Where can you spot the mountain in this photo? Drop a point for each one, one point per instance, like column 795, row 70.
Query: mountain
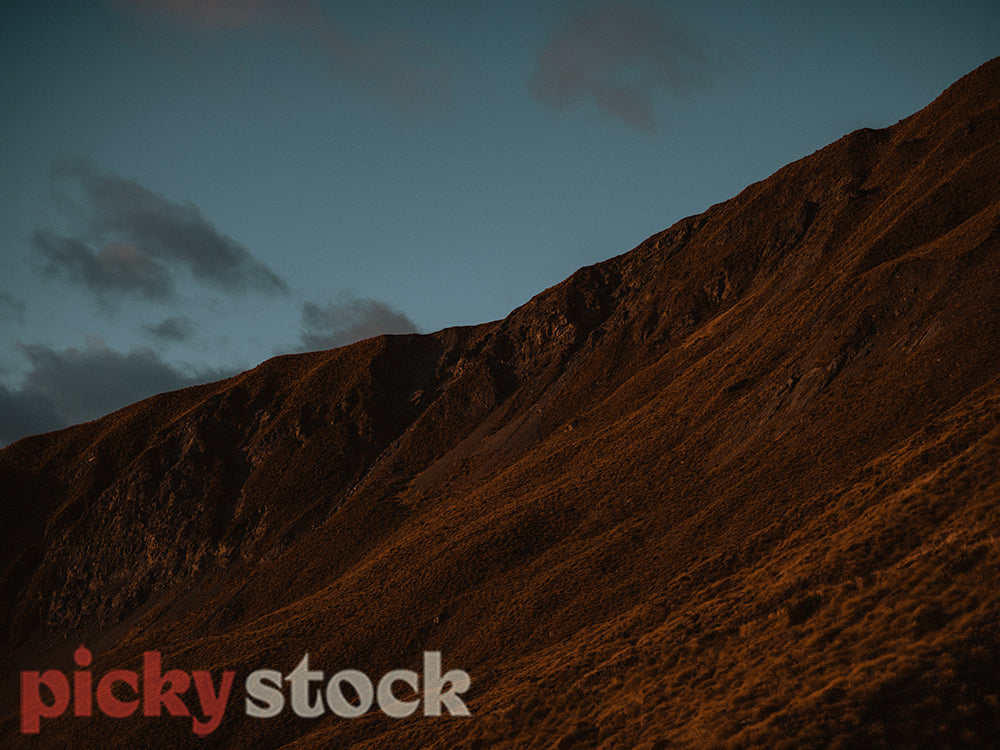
column 737, row 487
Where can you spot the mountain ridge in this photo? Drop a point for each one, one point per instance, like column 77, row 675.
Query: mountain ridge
column 633, row 510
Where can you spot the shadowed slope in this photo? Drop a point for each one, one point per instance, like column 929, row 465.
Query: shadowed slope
column 736, row 487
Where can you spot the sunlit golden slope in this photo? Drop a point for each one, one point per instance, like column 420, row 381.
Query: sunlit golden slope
column 735, row 488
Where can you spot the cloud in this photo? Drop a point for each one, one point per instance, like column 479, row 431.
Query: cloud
column 77, row 385
column 622, row 55
column 175, row 328
column 349, row 320
column 401, row 67
column 24, row 414
column 116, row 268
column 132, row 241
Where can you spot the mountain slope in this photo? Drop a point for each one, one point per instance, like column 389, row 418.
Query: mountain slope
column 736, row 487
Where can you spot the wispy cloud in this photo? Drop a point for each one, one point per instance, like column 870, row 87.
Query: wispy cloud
column 622, row 55
column 129, row 240
column 76, row 385
column 348, row 320
column 174, row 328
column 398, row 65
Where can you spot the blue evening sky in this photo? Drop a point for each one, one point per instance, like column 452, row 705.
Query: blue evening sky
column 190, row 187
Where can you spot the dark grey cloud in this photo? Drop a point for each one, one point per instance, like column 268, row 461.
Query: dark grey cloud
column 404, row 69
column 116, row 268
column 23, row 414
column 348, row 320
column 76, row 385
column 129, row 240
column 622, row 55
column 175, row 328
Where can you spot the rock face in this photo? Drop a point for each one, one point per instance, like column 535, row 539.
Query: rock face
column 737, row 487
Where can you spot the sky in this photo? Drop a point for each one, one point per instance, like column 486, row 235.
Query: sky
column 190, row 187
